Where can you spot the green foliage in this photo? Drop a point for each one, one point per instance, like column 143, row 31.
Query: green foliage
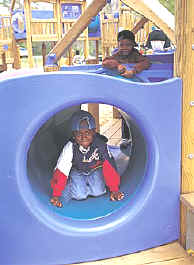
column 169, row 4
column 7, row 3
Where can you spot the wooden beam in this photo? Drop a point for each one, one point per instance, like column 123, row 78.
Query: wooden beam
column 97, row 50
column 28, row 18
column 93, row 108
column 16, row 54
column 3, row 66
column 86, row 41
column 78, row 27
column 140, row 24
column 12, row 5
column 57, row 16
column 43, row 53
column 184, row 68
column 140, row 7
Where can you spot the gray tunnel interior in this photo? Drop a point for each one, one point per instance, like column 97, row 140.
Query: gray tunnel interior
column 44, row 151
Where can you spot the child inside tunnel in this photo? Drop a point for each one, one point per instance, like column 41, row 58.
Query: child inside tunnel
column 85, row 166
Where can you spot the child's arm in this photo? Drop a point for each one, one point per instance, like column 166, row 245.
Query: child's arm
column 143, row 63
column 112, row 180
column 128, row 73
column 59, row 179
column 58, row 183
column 110, row 63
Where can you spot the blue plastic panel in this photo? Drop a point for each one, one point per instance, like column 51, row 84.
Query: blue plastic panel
column 31, row 233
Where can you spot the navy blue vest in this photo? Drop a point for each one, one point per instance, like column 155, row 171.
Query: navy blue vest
column 94, row 157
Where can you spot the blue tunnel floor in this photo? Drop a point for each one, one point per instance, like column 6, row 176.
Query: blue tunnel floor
column 42, row 156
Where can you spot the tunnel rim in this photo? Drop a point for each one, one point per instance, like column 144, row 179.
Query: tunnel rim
column 124, row 213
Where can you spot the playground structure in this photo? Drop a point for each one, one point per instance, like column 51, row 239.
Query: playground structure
column 94, row 8
column 183, row 70
column 43, row 128
column 43, row 26
column 51, row 25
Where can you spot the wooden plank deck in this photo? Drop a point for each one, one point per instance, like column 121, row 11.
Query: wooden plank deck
column 170, row 254
column 112, row 130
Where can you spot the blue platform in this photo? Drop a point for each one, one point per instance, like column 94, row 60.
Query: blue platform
column 32, row 135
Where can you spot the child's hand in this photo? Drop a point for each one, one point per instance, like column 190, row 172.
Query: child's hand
column 121, row 69
column 56, row 202
column 128, row 74
column 116, row 195
column 110, row 63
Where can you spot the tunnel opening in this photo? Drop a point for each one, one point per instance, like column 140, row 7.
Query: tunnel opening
column 46, row 147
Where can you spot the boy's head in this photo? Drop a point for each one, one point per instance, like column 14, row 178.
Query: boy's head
column 126, row 42
column 83, row 127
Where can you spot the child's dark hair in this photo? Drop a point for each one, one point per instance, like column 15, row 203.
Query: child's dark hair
column 126, row 34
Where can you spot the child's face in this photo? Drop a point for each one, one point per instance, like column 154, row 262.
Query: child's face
column 84, row 137
column 125, row 47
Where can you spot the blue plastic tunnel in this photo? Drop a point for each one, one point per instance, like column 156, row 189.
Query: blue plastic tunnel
column 35, row 112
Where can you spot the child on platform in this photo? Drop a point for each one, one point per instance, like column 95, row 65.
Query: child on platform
column 85, row 166
column 126, row 54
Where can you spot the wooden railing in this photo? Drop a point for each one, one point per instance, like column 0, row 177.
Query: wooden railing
column 44, row 30
column 6, row 43
column 5, row 29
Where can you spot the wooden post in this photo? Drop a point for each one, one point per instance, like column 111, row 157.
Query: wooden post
column 28, row 18
column 93, row 108
column 3, row 67
column 184, row 68
column 107, row 51
column 43, row 53
column 16, row 55
column 116, row 113
column 57, row 15
column 97, row 51
column 139, row 25
column 12, row 5
column 70, row 53
column 86, row 40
